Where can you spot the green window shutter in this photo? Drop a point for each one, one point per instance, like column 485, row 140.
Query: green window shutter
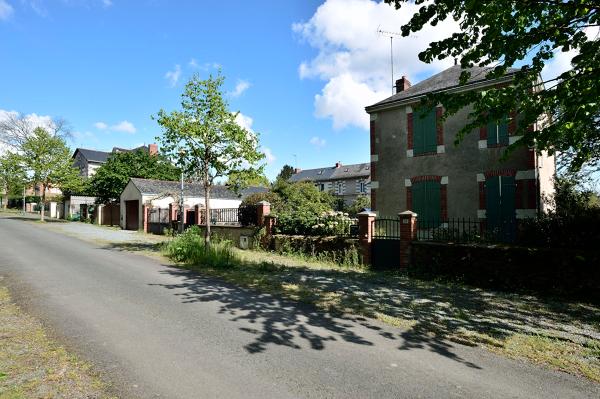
column 492, row 201
column 497, row 132
column 427, row 202
column 503, row 131
column 419, row 200
column 507, row 198
column 434, row 202
column 418, row 138
column 430, row 131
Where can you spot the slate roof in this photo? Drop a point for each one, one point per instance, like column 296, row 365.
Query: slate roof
column 360, row 170
column 444, row 80
column 153, row 187
column 92, row 155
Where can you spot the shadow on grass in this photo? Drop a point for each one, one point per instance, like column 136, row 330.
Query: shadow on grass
column 327, row 303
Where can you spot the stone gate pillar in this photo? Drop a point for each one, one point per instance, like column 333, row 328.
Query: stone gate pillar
column 408, row 233
column 365, row 235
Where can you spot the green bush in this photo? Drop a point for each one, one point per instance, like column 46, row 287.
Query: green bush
column 189, row 248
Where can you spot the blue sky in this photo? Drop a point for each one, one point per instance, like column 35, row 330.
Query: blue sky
column 300, row 72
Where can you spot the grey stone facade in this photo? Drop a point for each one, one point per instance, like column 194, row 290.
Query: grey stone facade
column 461, row 169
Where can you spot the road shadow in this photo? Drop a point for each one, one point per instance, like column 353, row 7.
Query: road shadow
column 32, row 218
column 277, row 321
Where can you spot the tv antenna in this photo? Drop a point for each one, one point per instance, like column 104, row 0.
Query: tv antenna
column 391, row 36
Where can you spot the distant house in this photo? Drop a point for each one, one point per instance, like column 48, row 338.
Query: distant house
column 161, row 193
column 344, row 181
column 89, row 160
column 415, row 165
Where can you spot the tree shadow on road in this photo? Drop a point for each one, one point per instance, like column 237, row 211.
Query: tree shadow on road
column 277, row 321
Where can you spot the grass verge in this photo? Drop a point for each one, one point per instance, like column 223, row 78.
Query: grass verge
column 33, row 366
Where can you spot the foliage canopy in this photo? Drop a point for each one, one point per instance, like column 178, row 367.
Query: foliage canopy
column 500, row 33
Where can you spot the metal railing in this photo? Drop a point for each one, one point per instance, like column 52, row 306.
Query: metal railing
column 466, row 230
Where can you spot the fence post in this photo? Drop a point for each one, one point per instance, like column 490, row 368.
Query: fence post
column 197, row 213
column 172, row 213
column 146, row 216
column 263, row 209
column 408, row 233
column 365, row 234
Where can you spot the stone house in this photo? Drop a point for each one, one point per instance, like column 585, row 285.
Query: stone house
column 415, row 165
column 343, row 181
column 89, row 160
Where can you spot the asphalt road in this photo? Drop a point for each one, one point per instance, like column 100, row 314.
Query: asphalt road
column 156, row 331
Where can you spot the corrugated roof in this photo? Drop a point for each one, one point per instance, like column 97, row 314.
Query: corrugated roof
column 153, row 187
column 333, row 173
column 444, row 80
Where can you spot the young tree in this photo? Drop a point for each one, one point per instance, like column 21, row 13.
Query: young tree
column 12, row 175
column 110, row 179
column 500, row 33
column 48, row 159
column 204, row 139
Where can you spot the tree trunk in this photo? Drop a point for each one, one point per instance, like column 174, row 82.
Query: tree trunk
column 5, row 198
column 207, row 207
column 43, row 201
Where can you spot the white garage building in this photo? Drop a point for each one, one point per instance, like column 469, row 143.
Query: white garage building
column 161, row 193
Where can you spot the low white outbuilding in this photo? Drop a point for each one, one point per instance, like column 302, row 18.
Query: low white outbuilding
column 161, row 193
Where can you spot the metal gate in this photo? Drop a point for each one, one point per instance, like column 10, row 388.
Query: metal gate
column 385, row 244
column 158, row 220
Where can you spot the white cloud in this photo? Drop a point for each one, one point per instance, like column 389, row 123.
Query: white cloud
column 240, row 88
column 6, row 10
column 318, row 142
column 561, row 62
column 244, row 121
column 269, row 155
column 173, row 76
column 193, row 63
column 354, row 60
column 100, row 125
column 124, row 126
column 107, row 3
column 33, row 120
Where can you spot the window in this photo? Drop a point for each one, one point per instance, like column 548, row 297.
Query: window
column 362, row 187
column 497, row 133
column 427, row 201
column 339, row 188
column 500, row 206
column 425, row 132
column 321, row 187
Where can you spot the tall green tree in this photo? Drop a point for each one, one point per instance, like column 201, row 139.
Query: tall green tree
column 286, row 172
column 110, row 179
column 204, row 139
column 500, row 33
column 48, row 159
column 13, row 177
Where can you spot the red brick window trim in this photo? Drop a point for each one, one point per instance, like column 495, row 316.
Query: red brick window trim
column 372, row 137
column 409, row 205
column 481, row 195
column 417, row 179
column 373, row 199
column 512, row 124
column 439, row 111
column 500, row 172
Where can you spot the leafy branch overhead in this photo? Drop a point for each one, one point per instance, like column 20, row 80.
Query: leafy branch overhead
column 501, row 33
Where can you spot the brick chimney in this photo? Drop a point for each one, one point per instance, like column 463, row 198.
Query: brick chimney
column 153, row 149
column 402, row 84
column 338, row 164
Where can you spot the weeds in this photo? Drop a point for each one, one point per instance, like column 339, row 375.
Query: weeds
column 189, row 248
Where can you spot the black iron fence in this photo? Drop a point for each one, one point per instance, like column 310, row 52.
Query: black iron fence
column 467, row 230
column 243, row 216
column 158, row 220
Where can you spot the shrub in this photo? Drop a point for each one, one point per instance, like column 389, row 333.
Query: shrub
column 189, row 248
column 332, row 224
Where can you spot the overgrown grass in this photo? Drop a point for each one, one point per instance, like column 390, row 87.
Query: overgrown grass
column 189, row 248
column 33, row 366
